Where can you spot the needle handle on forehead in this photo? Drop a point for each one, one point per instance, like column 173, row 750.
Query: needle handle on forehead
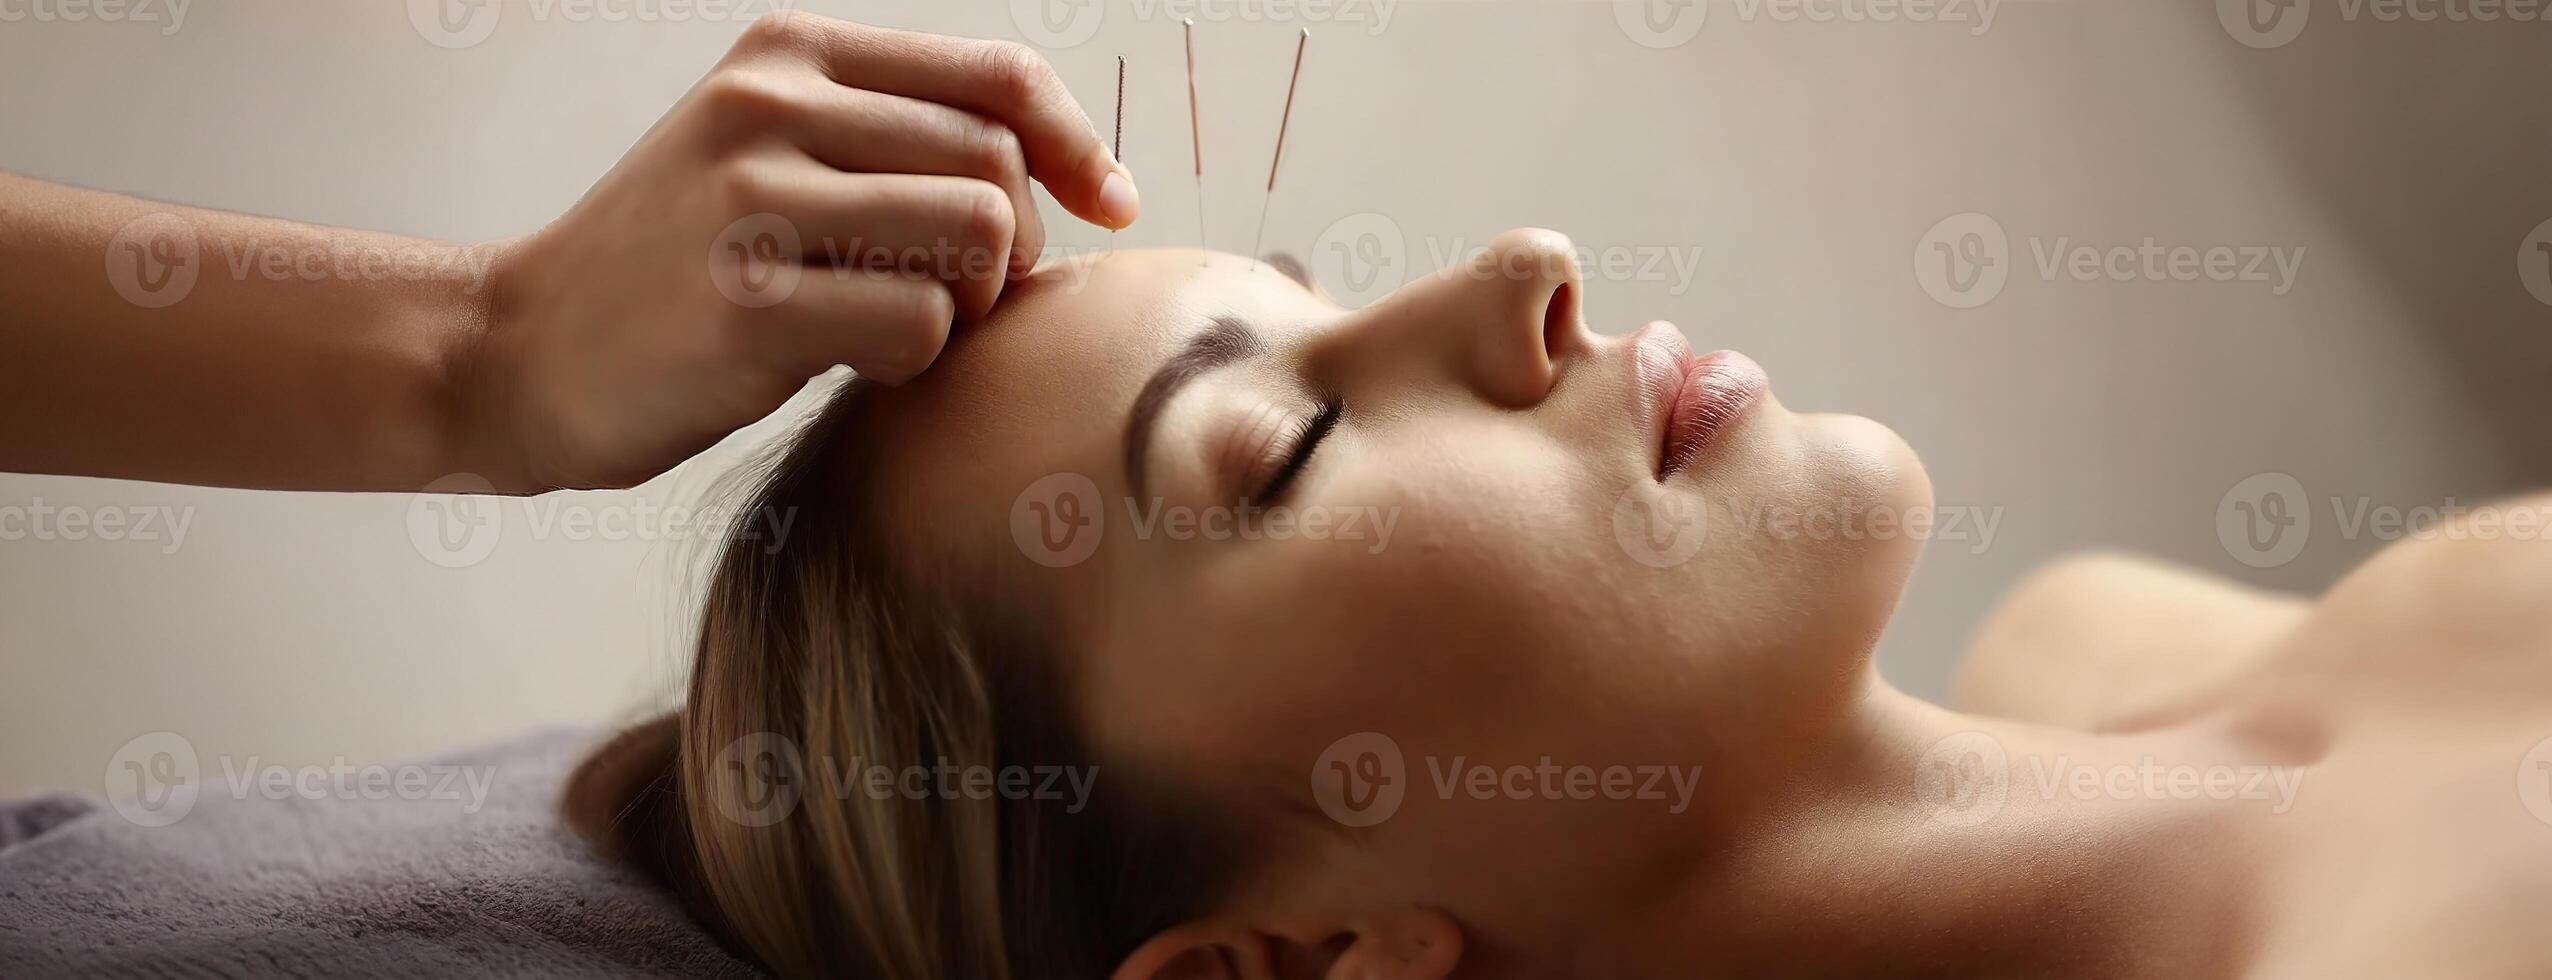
column 1196, row 136
column 1282, row 124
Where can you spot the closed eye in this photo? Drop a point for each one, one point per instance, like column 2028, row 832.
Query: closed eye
column 1298, row 448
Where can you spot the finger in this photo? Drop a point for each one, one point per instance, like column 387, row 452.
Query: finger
column 956, row 229
column 873, row 132
column 1001, row 80
column 886, row 325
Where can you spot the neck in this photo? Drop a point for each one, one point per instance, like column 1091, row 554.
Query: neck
column 1930, row 843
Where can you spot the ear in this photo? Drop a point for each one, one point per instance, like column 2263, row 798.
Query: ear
column 1393, row 944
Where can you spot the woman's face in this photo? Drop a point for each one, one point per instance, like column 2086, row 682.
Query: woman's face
column 1459, row 518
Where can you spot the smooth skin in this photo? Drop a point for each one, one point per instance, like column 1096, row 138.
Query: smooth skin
column 596, row 352
column 1507, row 622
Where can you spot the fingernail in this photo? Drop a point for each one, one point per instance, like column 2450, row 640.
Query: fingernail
column 1117, row 199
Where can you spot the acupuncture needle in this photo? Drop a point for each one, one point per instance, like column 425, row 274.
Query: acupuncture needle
column 1116, row 147
column 1196, row 137
column 1283, row 123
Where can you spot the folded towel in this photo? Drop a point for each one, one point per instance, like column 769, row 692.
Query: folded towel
column 332, row 876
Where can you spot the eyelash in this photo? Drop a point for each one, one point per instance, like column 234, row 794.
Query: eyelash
column 1301, row 443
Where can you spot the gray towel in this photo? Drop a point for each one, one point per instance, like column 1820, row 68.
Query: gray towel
column 248, row 885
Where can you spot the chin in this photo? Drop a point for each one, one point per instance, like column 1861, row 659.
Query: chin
column 1864, row 461
column 1866, row 469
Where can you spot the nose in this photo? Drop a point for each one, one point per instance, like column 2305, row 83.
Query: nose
column 1504, row 321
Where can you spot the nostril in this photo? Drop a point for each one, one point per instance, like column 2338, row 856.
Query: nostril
column 1559, row 321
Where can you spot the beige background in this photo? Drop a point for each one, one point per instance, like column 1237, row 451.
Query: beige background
column 1800, row 163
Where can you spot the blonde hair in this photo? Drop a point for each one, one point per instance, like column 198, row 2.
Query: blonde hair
column 814, row 651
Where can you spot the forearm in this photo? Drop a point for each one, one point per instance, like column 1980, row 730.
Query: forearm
column 149, row 341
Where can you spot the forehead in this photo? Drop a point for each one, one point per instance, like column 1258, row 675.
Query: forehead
column 1043, row 385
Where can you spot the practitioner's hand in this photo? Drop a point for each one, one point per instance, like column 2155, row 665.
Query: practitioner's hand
column 830, row 194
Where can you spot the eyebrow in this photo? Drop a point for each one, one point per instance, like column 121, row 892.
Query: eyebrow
column 1226, row 340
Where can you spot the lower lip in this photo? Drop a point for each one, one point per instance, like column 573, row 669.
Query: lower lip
column 1708, row 394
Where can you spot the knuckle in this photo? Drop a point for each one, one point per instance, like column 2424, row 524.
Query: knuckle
column 918, row 340
column 742, row 186
column 997, row 155
column 1015, row 72
column 745, row 98
column 984, row 213
column 779, row 28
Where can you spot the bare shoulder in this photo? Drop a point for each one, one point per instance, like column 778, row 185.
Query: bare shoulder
column 2472, row 586
column 2094, row 638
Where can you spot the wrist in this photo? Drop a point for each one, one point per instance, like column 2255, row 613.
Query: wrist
column 480, row 407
